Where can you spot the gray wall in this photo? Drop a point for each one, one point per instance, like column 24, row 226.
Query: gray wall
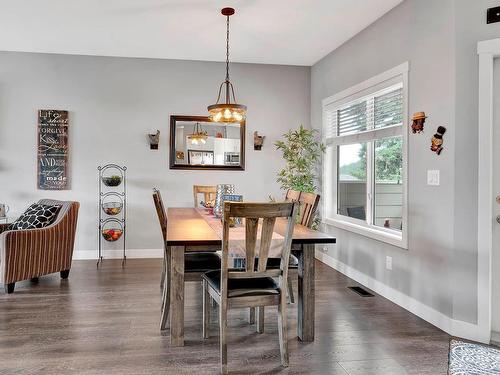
column 471, row 27
column 113, row 104
column 438, row 38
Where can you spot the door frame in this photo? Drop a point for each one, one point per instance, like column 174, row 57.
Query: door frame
column 487, row 50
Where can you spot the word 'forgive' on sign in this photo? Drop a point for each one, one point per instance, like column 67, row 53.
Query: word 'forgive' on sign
column 52, row 149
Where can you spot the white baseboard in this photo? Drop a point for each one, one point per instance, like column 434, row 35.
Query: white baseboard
column 118, row 254
column 495, row 337
column 451, row 326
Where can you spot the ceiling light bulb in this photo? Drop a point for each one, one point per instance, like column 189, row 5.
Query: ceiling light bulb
column 227, row 114
column 217, row 117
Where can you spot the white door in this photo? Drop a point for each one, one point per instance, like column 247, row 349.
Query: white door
column 495, row 269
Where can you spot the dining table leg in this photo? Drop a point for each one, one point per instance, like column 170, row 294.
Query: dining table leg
column 177, row 296
column 306, row 303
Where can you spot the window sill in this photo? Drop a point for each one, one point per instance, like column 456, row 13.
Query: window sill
column 395, row 239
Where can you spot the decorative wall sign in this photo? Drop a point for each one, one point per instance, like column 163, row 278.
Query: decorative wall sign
column 52, row 149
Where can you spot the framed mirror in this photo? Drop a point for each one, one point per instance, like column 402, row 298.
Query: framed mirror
column 198, row 143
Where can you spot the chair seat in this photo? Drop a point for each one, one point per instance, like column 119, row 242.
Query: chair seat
column 274, row 263
column 201, row 262
column 243, row 287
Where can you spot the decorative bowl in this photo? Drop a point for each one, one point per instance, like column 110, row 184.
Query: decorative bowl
column 112, row 208
column 111, row 180
column 112, row 234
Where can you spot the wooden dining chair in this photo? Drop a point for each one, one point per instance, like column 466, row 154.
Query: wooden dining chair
column 305, row 216
column 209, row 193
column 196, row 263
column 308, row 205
column 292, row 195
column 254, row 286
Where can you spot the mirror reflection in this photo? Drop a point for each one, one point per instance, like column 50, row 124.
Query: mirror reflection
column 198, row 142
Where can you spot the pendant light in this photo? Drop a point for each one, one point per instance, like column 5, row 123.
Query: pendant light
column 229, row 110
column 199, row 136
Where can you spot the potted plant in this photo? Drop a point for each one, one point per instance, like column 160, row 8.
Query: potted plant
column 302, row 152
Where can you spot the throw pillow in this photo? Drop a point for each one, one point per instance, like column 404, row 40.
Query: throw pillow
column 36, row 216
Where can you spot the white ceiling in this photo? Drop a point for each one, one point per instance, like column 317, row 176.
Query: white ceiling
column 295, row 32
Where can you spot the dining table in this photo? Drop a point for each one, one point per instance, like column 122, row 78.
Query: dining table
column 193, row 229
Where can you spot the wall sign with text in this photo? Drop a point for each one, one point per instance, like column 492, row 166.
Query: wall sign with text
column 53, row 150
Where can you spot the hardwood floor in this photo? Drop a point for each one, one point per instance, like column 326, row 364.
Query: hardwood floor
column 106, row 321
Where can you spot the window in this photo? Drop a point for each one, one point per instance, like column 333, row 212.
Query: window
column 364, row 176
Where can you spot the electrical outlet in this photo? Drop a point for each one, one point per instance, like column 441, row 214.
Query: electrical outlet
column 325, row 249
column 388, row 263
column 433, row 177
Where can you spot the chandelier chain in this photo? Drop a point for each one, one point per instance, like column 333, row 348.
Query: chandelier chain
column 227, row 49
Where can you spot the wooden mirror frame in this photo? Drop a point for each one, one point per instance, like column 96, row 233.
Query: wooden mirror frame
column 175, row 118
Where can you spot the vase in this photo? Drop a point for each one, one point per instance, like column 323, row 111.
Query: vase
column 222, row 189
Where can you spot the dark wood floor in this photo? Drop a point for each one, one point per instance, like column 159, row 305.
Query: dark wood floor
column 106, row 322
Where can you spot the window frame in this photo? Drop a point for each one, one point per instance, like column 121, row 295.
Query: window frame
column 376, row 85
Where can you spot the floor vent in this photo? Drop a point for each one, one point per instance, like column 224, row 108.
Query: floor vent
column 362, row 292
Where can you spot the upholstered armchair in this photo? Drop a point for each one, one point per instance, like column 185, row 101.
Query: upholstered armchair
column 28, row 254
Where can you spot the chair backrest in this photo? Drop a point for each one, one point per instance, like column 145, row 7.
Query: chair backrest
column 160, row 211
column 209, row 193
column 252, row 213
column 292, row 195
column 357, row 212
column 308, row 205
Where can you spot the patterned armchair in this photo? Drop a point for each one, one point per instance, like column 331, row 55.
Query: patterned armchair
column 28, row 254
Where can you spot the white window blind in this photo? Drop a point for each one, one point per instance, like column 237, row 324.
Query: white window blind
column 379, row 110
column 352, row 119
column 388, row 109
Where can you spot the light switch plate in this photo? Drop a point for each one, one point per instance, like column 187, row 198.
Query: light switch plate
column 388, row 263
column 433, row 177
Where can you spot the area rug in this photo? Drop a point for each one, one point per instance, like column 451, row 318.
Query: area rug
column 473, row 359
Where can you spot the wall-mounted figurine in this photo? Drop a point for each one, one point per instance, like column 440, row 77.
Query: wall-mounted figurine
column 437, row 140
column 258, row 141
column 418, row 121
column 154, row 140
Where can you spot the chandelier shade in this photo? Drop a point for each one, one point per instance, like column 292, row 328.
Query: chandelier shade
column 227, row 110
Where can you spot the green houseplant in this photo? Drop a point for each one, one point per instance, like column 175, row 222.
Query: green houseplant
column 302, row 152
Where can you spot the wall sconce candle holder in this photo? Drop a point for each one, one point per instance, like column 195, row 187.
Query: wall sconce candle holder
column 154, row 140
column 258, row 141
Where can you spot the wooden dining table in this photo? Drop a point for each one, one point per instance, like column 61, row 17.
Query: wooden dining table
column 188, row 229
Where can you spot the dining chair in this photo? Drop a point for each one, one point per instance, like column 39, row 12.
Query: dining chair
column 196, row 263
column 357, row 212
column 209, row 193
column 251, row 286
column 305, row 216
column 292, row 195
column 308, row 206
